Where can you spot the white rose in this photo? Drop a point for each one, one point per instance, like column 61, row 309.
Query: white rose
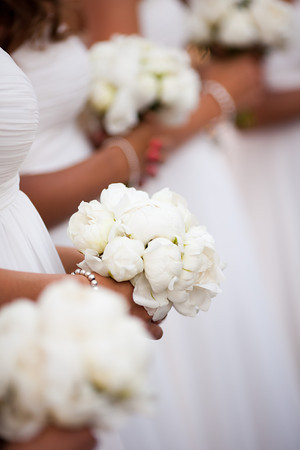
column 198, row 28
column 118, row 198
column 237, row 28
column 123, row 258
column 274, row 20
column 102, row 95
column 162, row 264
column 122, row 115
column 89, row 226
column 153, row 220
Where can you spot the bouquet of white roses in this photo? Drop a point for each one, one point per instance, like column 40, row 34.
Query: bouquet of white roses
column 156, row 243
column 238, row 25
column 76, row 358
column 131, row 75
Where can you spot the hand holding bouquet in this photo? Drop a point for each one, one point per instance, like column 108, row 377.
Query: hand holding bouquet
column 155, row 243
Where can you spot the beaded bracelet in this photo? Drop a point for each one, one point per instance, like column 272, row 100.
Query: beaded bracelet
column 222, row 97
column 88, row 275
column 131, row 156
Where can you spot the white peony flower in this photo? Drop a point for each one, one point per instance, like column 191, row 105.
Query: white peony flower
column 122, row 115
column 167, row 196
column 156, row 304
column 22, row 414
column 76, row 358
column 199, row 29
column 152, row 220
column 177, row 95
column 237, row 29
column 213, row 11
column 89, row 227
column 123, row 258
column 198, row 299
column 145, row 90
column 118, row 198
column 102, row 95
column 162, row 264
column 274, row 19
column 126, row 74
column 157, row 244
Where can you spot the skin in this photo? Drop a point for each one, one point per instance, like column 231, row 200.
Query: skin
column 52, row 438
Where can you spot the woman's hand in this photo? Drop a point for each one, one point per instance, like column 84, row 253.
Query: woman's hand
column 56, row 438
column 241, row 76
column 125, row 288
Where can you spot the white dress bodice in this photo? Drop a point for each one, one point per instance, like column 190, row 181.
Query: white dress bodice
column 59, row 75
column 24, row 241
column 18, row 126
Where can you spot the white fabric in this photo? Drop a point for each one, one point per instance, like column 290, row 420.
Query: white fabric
column 227, row 379
column 266, row 163
column 24, row 241
column 59, row 74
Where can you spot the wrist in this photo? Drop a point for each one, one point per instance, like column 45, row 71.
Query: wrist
column 84, row 274
column 222, row 98
column 129, row 157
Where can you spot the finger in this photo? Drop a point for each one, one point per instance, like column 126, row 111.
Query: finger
column 155, row 330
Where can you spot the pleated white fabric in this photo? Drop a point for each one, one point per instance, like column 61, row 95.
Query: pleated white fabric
column 59, row 73
column 25, row 243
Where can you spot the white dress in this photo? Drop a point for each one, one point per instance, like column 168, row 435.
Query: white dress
column 266, row 163
column 227, row 379
column 59, row 74
column 24, row 241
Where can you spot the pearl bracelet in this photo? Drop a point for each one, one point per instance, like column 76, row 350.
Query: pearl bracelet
column 130, row 155
column 88, row 275
column 222, row 97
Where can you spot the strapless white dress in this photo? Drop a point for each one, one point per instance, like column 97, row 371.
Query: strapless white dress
column 59, row 74
column 24, row 240
column 227, row 379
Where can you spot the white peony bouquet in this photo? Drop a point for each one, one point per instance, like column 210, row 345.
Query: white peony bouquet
column 238, row 25
column 131, row 75
column 75, row 358
column 156, row 243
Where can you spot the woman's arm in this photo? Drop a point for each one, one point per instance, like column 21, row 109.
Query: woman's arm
column 275, row 108
column 56, row 195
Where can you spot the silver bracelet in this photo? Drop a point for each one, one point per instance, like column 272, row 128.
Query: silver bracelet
column 222, row 97
column 88, row 275
column 131, row 156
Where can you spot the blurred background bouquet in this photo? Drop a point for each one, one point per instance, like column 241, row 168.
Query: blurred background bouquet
column 229, row 27
column 75, row 358
column 131, row 75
